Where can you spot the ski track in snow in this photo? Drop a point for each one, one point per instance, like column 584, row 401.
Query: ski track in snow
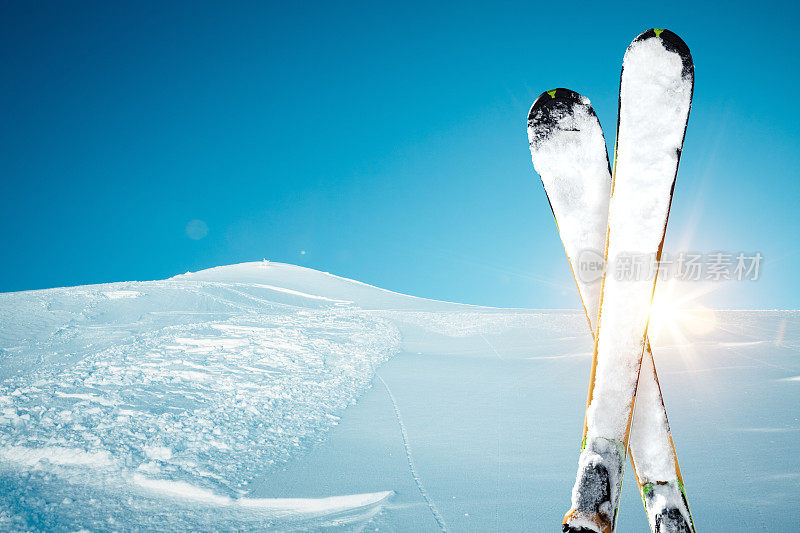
column 414, row 474
column 491, row 347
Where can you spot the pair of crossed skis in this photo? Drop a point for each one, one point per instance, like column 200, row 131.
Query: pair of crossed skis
column 611, row 216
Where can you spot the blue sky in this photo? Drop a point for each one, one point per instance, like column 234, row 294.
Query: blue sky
column 386, row 141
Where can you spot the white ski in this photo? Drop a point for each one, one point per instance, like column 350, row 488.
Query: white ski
column 654, row 102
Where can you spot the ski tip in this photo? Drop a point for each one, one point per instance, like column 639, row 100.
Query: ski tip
column 560, row 95
column 547, row 111
column 671, row 42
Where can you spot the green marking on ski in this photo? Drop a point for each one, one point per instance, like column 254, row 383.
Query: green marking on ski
column 658, row 31
column 583, row 443
column 552, row 93
column 646, row 489
column 686, row 502
column 621, row 450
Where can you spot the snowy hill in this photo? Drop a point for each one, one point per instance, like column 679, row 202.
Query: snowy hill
column 268, row 395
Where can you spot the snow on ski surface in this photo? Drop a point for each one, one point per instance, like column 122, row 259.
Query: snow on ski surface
column 245, row 398
column 650, row 433
column 572, row 162
column 655, row 98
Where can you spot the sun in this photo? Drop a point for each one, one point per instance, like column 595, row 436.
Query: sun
column 676, row 315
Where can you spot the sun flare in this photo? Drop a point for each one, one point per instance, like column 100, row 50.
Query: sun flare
column 675, row 316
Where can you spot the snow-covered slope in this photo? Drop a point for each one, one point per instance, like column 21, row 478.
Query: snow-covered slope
column 292, row 282
column 268, row 395
column 180, row 388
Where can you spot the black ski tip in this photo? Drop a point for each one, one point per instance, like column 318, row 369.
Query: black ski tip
column 673, row 43
column 549, row 109
column 560, row 95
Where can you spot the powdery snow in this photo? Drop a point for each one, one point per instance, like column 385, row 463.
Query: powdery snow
column 190, row 384
column 56, row 455
column 96, row 396
column 115, row 295
column 293, row 508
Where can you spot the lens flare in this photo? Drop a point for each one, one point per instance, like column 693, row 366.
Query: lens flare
column 675, row 316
